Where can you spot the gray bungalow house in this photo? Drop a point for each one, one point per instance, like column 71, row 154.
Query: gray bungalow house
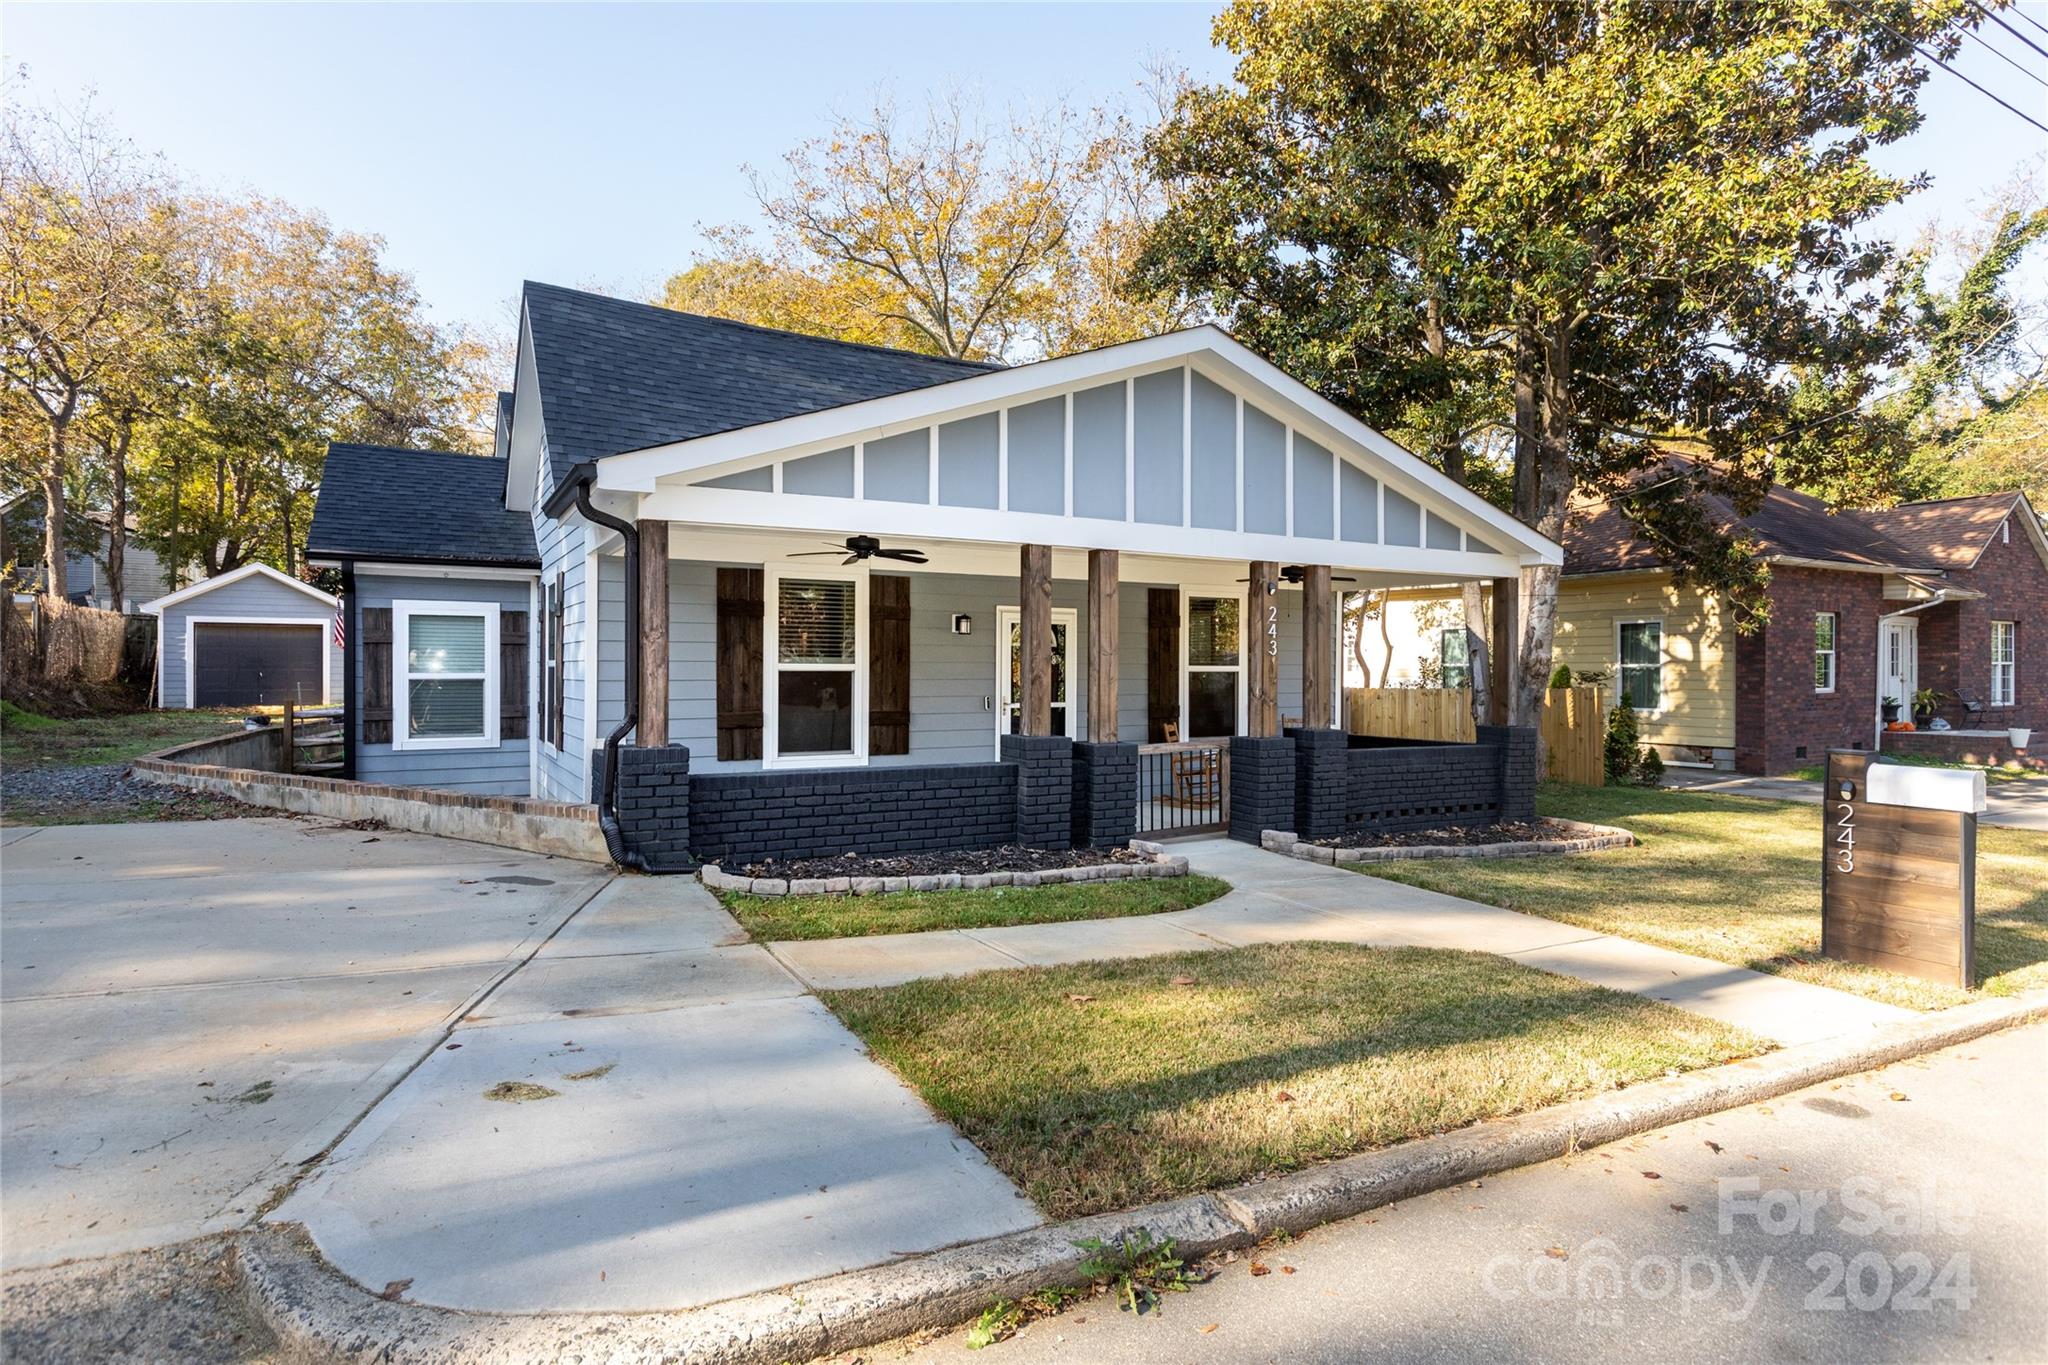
column 761, row 594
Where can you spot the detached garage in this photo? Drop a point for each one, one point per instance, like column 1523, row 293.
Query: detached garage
column 254, row 637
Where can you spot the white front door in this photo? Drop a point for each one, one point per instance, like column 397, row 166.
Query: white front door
column 1010, row 670
column 1898, row 663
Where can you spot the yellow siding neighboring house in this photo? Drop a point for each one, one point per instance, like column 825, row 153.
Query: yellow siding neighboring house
column 1698, row 674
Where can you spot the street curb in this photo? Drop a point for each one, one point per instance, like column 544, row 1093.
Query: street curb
column 321, row 1315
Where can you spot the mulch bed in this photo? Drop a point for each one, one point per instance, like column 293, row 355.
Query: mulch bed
column 1448, row 836
column 967, row 862
column 111, row 789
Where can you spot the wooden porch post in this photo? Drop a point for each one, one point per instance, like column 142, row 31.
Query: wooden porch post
column 1102, row 644
column 1501, row 649
column 1034, row 628
column 1317, row 645
column 652, row 729
column 1262, row 637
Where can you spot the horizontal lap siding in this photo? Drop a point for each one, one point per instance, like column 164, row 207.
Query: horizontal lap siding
column 500, row 771
column 564, row 772
column 255, row 596
column 1699, row 652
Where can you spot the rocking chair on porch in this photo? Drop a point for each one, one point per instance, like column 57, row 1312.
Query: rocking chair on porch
column 1197, row 773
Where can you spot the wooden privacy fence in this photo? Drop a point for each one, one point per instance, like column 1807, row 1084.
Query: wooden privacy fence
column 1574, row 728
column 45, row 639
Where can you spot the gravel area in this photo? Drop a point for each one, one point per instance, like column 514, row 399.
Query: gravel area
column 967, row 862
column 109, row 791
column 1506, row 832
column 178, row 1303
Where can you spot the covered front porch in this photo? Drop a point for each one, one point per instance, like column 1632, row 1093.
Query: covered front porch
column 1072, row 602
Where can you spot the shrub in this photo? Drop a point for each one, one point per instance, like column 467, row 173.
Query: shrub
column 1650, row 770
column 1623, row 755
column 1561, row 676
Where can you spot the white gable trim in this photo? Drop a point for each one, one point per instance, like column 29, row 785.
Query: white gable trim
column 246, row 571
column 526, row 443
column 1206, row 349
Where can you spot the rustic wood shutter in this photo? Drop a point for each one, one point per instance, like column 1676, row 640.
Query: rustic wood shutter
column 513, row 644
column 739, row 663
column 374, row 628
column 1162, row 661
column 557, row 606
column 888, row 664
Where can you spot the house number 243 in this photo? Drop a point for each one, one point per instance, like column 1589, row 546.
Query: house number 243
column 1845, row 839
column 1273, row 630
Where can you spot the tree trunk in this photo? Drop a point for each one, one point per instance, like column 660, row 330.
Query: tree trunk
column 117, row 515
column 1476, row 655
column 53, row 509
column 1551, row 490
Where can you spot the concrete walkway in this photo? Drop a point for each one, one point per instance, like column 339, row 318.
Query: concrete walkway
column 713, row 1131
column 1278, row 899
column 2020, row 803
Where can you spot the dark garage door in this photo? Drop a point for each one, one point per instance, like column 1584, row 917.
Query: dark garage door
column 239, row 665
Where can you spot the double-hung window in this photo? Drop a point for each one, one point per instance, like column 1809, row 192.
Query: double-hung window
column 445, row 694
column 816, row 654
column 1642, row 664
column 2004, row 662
column 1454, row 655
column 1824, row 651
column 1215, row 644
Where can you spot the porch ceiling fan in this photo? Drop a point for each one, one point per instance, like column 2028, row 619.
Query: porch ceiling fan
column 1295, row 573
column 857, row 548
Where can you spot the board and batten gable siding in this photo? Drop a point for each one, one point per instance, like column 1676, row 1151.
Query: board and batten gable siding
column 501, row 770
column 252, row 599
column 1170, row 447
column 1699, row 651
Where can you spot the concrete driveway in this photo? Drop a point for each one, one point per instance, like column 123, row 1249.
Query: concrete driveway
column 191, row 1010
column 2021, row 803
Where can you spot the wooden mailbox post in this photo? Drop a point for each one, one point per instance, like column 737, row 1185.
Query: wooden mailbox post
column 1898, row 885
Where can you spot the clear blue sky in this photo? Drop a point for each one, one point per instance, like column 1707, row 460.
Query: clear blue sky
column 584, row 144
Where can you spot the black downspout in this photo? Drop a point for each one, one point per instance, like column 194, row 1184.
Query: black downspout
column 351, row 643
column 608, row 791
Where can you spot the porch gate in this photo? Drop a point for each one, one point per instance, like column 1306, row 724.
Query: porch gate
column 1183, row 788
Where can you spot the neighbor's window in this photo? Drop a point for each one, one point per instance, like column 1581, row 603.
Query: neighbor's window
column 2004, row 655
column 1454, row 653
column 817, row 661
column 1642, row 664
column 1215, row 665
column 1824, row 651
column 446, row 695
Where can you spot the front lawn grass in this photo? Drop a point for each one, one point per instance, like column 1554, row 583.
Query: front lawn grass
column 1104, row 1085
column 782, row 918
column 1737, row 880
column 28, row 740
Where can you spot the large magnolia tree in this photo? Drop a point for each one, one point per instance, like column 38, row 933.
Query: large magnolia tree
column 1590, row 224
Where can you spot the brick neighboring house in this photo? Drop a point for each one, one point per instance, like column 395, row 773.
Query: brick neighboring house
column 1949, row 595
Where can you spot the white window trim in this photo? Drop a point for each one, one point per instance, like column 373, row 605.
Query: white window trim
column 1443, row 637
column 1663, row 661
column 2011, row 665
column 1833, row 651
column 402, row 613
column 1061, row 616
column 1235, row 592
column 772, row 667
column 325, row 623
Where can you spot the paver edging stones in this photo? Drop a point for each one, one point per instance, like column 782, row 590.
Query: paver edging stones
column 322, row 1315
column 1579, row 837
column 1162, row 864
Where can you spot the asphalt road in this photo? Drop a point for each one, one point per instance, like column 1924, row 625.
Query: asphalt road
column 1899, row 1215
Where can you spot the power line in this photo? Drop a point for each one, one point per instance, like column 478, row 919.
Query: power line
column 2013, row 62
column 2008, row 27
column 1946, row 67
column 2030, row 19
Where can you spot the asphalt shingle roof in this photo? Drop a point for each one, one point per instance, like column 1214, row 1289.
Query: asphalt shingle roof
column 1943, row 535
column 618, row 376
column 380, row 502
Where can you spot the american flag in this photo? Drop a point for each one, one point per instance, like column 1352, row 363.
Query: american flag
column 340, row 629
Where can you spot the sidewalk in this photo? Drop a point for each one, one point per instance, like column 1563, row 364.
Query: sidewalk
column 1280, row 899
column 713, row 1131
column 2018, row 804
